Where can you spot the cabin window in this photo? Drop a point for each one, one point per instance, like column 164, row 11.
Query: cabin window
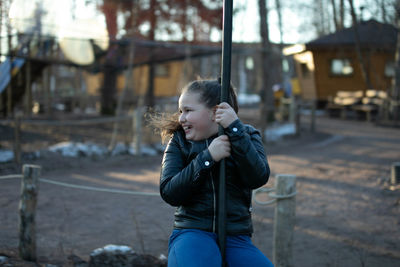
column 249, row 63
column 341, row 67
column 389, row 69
column 161, row 70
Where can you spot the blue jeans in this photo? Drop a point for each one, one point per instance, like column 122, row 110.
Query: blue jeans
column 197, row 248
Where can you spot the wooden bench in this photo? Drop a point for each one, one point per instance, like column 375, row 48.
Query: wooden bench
column 356, row 101
column 343, row 101
column 370, row 103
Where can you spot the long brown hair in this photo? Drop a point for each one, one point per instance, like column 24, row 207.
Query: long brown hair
column 210, row 95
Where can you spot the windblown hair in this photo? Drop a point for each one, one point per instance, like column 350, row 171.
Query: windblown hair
column 210, row 95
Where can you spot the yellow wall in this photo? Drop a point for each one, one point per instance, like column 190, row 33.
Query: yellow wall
column 164, row 86
column 306, row 83
column 327, row 84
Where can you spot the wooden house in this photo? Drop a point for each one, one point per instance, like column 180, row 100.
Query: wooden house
column 337, row 57
column 176, row 64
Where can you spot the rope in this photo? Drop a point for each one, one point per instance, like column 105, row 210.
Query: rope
column 11, row 176
column 271, row 195
column 90, row 188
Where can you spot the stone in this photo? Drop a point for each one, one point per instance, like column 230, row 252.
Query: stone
column 112, row 255
column 121, row 256
column 3, row 260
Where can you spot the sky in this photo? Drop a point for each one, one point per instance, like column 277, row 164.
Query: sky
column 58, row 20
column 245, row 24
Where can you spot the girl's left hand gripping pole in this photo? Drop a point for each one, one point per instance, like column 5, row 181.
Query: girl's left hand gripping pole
column 225, row 84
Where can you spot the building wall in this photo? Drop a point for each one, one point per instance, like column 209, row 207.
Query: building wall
column 247, row 78
column 305, row 69
column 328, row 84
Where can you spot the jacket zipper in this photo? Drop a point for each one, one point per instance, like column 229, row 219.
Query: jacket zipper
column 214, row 203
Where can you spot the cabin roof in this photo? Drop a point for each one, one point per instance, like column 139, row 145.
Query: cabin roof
column 371, row 34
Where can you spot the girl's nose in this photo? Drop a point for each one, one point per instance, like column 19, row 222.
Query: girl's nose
column 182, row 118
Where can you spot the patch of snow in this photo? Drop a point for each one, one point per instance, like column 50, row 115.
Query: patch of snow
column 248, row 99
column 6, row 155
column 72, row 149
column 112, row 249
column 120, row 148
column 277, row 132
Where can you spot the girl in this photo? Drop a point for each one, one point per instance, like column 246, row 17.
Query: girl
column 189, row 178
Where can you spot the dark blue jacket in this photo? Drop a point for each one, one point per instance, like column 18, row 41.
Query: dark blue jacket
column 189, row 179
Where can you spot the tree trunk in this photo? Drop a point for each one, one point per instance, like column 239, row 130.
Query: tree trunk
column 108, row 89
column 267, row 96
column 335, row 18
column 149, row 100
column 364, row 69
column 341, row 24
column 110, row 73
column 396, row 80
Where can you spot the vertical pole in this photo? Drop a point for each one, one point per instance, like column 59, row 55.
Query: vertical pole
column 137, row 125
column 9, row 87
column 28, row 90
column 284, row 221
column 313, row 107
column 225, row 84
column 17, row 139
column 27, row 207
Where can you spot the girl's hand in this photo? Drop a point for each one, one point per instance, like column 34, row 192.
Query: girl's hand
column 225, row 115
column 220, row 148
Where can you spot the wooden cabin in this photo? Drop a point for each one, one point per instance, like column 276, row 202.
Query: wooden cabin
column 174, row 69
column 337, row 63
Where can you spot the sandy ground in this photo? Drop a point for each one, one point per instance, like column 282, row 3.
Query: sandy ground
column 346, row 212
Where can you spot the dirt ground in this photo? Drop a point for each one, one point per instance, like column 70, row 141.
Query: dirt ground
column 347, row 214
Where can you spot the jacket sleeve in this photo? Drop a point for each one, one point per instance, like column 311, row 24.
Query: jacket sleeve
column 248, row 153
column 178, row 182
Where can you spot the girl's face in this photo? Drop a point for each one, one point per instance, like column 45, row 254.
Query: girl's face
column 197, row 120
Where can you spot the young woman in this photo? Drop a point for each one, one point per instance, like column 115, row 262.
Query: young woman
column 189, row 178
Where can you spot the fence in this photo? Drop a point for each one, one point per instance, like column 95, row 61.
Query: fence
column 283, row 196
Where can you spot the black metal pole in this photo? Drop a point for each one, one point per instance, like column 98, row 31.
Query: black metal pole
column 225, row 84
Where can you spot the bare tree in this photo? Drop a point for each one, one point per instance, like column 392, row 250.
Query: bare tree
column 267, row 108
column 396, row 80
column 342, row 14
column 335, row 17
column 360, row 57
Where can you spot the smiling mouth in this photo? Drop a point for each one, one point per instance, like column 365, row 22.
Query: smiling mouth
column 187, row 128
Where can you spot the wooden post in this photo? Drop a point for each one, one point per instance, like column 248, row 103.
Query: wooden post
column 137, row 129
column 292, row 109
column 9, row 87
column 313, row 108
column 284, row 220
column 395, row 179
column 17, row 140
column 28, row 90
column 27, row 207
column 46, row 90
